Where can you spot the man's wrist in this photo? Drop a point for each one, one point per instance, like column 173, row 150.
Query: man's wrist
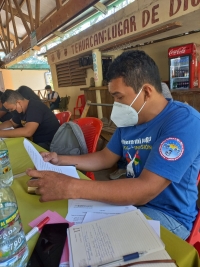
column 74, row 186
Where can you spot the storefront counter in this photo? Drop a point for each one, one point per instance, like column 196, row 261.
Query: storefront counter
column 191, row 96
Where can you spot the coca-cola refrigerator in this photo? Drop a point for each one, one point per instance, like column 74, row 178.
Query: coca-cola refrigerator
column 184, row 66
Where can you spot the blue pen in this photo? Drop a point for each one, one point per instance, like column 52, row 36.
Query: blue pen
column 124, row 258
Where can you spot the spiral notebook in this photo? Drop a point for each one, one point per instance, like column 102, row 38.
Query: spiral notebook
column 106, row 241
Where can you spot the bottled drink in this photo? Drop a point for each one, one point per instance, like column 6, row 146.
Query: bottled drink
column 13, row 247
column 6, row 175
column 174, row 85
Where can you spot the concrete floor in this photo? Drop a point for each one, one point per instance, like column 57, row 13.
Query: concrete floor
column 104, row 174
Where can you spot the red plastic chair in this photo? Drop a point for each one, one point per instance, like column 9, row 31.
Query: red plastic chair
column 80, row 104
column 194, row 238
column 63, row 116
column 91, row 128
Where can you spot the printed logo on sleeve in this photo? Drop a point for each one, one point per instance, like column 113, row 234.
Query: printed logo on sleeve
column 171, row 148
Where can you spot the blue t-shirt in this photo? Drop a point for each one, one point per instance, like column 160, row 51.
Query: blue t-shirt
column 169, row 146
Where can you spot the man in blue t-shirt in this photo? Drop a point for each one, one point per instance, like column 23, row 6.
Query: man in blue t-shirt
column 158, row 137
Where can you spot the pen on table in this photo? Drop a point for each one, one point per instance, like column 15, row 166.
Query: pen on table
column 37, row 228
column 124, row 258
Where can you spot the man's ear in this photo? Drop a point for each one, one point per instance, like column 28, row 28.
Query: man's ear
column 147, row 88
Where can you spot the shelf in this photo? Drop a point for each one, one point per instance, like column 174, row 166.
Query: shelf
column 179, row 66
column 94, row 88
column 180, row 77
column 85, row 67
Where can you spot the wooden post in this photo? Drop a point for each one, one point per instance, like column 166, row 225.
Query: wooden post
column 86, row 108
column 98, row 78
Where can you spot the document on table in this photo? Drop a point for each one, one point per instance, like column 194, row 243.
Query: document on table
column 92, row 216
column 108, row 240
column 10, row 128
column 41, row 165
column 77, row 209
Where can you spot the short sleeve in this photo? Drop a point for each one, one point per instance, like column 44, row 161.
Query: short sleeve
column 55, row 95
column 114, row 144
column 177, row 146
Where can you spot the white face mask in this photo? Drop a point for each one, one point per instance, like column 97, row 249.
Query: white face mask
column 123, row 115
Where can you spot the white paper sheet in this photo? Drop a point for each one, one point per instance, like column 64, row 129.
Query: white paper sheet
column 41, row 165
column 11, row 128
column 109, row 239
column 77, row 209
column 155, row 225
column 92, row 216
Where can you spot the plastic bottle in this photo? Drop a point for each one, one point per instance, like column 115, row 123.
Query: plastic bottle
column 13, row 246
column 6, row 175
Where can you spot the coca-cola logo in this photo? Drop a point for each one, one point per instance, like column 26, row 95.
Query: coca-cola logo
column 178, row 51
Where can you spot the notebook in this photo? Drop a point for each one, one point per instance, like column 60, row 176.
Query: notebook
column 106, row 241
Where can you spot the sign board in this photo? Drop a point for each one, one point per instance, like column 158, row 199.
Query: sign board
column 128, row 23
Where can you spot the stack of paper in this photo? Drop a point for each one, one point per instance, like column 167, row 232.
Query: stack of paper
column 79, row 208
column 107, row 240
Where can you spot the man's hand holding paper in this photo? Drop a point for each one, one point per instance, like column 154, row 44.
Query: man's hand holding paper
column 51, row 185
column 51, row 157
column 51, row 182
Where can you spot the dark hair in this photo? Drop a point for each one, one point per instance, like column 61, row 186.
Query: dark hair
column 48, row 87
column 11, row 96
column 136, row 68
column 27, row 92
column 1, row 93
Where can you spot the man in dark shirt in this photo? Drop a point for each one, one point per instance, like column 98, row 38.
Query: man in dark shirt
column 4, row 114
column 37, row 119
column 26, row 92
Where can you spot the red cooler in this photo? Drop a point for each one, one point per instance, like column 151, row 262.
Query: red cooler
column 184, row 64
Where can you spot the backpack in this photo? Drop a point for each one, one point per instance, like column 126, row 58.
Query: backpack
column 69, row 140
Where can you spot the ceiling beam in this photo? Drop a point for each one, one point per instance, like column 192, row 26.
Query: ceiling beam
column 28, row 54
column 30, row 14
column 2, row 45
column 58, row 4
column 2, row 2
column 37, row 13
column 16, row 41
column 22, row 17
column 7, row 25
column 3, row 35
column 12, row 37
column 65, row 14
column 77, row 22
column 15, row 12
